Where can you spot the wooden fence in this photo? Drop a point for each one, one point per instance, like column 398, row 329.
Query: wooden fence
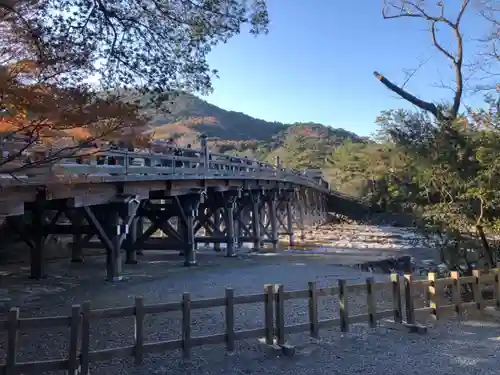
column 274, row 331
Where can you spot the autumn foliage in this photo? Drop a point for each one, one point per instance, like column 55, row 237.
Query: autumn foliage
column 66, row 66
column 63, row 119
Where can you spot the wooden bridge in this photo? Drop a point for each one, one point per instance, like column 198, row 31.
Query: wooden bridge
column 123, row 198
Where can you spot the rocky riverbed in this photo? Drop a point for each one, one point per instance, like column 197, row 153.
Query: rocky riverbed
column 380, row 249
column 372, row 247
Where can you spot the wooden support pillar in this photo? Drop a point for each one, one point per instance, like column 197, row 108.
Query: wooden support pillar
column 308, row 208
column 132, row 235
column 181, row 229
column 313, row 208
column 189, row 207
column 111, row 223
column 37, row 269
column 229, row 219
column 113, row 255
column 217, row 224
column 190, row 252
column 300, row 208
column 77, row 245
column 272, row 201
column 237, row 226
column 289, row 222
column 245, row 223
column 257, row 244
column 240, row 222
column 139, row 231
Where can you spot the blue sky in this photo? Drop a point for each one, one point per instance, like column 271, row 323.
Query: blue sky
column 317, row 61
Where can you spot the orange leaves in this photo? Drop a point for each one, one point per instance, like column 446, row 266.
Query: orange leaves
column 60, row 117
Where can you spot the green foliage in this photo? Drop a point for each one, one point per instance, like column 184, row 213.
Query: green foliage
column 446, row 172
column 152, row 45
column 306, row 145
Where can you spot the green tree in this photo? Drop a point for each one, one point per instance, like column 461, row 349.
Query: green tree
column 454, row 190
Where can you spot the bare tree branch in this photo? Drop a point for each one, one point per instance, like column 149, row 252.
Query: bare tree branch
column 413, row 9
column 427, row 106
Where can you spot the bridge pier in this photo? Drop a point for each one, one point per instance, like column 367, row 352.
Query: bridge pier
column 272, row 205
column 230, row 200
column 217, row 225
column 299, row 208
column 245, row 233
column 38, row 237
column 188, row 208
column 255, row 217
column 78, row 240
column 42, row 219
column 133, row 234
column 289, row 222
column 111, row 224
column 139, row 232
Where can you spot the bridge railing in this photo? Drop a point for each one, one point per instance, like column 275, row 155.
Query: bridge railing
column 181, row 163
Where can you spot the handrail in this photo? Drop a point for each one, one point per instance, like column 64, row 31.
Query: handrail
column 130, row 165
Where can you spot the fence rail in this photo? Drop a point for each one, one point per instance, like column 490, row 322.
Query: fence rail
column 274, row 330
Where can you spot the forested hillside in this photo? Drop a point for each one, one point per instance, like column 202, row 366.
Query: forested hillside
column 186, row 116
column 299, row 145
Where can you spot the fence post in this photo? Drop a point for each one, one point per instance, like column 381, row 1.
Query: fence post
column 280, row 315
column 186, row 325
column 456, row 292
column 432, row 293
column 139, row 330
column 477, row 290
column 396, row 298
column 370, row 300
column 12, row 336
column 73, row 340
column 230, row 319
column 344, row 312
column 410, row 308
column 268, row 313
column 85, row 344
column 313, row 310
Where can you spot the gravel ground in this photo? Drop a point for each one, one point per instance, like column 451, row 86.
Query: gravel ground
column 160, row 279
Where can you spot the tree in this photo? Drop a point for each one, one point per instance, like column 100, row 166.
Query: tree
column 434, row 17
column 57, row 121
column 75, row 64
column 147, row 44
column 455, row 195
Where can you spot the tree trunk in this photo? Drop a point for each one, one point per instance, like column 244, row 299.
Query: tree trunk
column 486, row 246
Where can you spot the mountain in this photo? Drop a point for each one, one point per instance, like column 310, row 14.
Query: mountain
column 188, row 116
column 299, row 145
